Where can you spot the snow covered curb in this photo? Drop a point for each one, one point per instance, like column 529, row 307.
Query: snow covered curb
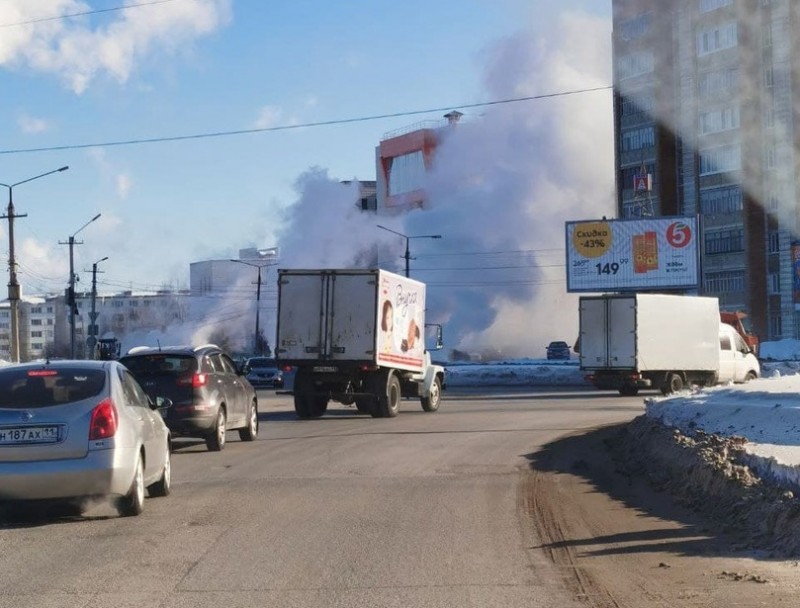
column 516, row 373
column 768, row 420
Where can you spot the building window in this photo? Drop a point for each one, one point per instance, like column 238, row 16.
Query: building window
column 36, row 334
column 641, row 104
column 637, row 27
column 133, row 303
column 635, row 64
column 724, row 241
column 717, row 38
column 36, row 322
column 717, row 83
column 37, row 345
column 717, row 121
column 721, row 159
column 721, row 200
column 5, row 314
column 5, row 326
column 706, row 6
column 775, row 326
column 406, row 173
column 727, row 281
column 118, row 303
column 774, row 283
column 636, row 139
column 770, row 157
column 35, row 310
column 774, row 242
column 50, row 309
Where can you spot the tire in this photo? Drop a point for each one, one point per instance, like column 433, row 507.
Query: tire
column 629, row 391
column 750, row 376
column 431, row 402
column 672, row 384
column 133, row 502
column 250, row 432
column 364, row 405
column 163, row 486
column 215, row 440
column 388, row 392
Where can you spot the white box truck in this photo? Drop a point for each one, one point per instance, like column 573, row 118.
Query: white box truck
column 357, row 337
column 660, row 341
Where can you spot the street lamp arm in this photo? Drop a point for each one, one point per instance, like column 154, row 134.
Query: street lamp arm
column 426, row 236
column 74, row 234
column 30, row 179
column 392, row 231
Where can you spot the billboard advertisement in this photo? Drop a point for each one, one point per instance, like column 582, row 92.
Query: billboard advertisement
column 632, row 255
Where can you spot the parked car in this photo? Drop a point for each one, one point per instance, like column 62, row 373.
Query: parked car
column 263, row 371
column 209, row 394
column 72, row 430
column 558, row 350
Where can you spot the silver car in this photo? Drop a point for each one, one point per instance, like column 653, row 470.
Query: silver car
column 72, row 430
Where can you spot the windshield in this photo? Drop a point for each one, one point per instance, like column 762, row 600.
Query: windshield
column 159, row 364
column 24, row 388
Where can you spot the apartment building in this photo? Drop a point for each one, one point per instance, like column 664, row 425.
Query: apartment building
column 705, row 98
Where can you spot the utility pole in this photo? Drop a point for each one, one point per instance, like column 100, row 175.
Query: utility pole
column 71, row 303
column 13, row 284
column 407, row 254
column 91, row 341
column 257, row 344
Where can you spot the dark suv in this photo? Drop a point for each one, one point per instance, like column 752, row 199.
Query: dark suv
column 209, row 395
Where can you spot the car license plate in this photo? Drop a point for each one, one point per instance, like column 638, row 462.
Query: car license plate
column 325, row 369
column 28, row 434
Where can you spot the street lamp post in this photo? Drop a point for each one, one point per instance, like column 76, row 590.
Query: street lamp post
column 91, row 341
column 257, row 344
column 13, row 285
column 408, row 238
column 71, row 290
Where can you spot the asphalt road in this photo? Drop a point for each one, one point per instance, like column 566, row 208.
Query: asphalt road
column 427, row 509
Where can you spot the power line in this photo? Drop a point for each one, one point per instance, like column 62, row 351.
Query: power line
column 307, row 125
column 83, row 14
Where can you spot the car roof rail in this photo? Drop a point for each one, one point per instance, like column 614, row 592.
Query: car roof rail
column 202, row 346
column 138, row 349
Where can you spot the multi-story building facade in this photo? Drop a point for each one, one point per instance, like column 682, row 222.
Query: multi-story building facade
column 403, row 159
column 37, row 320
column 706, row 93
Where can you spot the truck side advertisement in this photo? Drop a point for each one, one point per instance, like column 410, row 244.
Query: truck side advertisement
column 619, row 255
column 401, row 321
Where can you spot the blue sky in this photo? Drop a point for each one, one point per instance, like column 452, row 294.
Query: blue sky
column 239, row 65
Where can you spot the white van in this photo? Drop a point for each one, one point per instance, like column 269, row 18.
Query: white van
column 737, row 363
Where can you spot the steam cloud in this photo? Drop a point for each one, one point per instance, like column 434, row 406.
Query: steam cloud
column 505, row 183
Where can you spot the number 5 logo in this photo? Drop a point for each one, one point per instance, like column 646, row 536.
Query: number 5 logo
column 679, row 235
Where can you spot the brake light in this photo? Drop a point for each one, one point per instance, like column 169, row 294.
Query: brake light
column 286, row 368
column 103, row 424
column 195, row 380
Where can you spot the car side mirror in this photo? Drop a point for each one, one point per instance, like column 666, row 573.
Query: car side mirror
column 161, row 403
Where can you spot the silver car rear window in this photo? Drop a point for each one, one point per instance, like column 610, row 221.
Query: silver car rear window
column 32, row 388
column 159, row 364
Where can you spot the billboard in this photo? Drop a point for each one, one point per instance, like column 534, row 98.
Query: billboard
column 401, row 321
column 633, row 255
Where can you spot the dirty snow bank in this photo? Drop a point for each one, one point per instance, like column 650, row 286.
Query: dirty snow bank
column 711, row 474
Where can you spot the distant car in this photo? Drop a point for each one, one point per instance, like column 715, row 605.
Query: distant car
column 558, row 350
column 263, row 371
column 209, row 394
column 72, row 430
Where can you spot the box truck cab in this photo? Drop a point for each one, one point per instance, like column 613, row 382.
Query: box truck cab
column 737, row 363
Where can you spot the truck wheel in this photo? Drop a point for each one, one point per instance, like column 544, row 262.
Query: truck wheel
column 386, row 388
column 431, row 402
column 628, row 390
column 302, row 384
column 317, row 405
column 674, row 384
column 750, row 376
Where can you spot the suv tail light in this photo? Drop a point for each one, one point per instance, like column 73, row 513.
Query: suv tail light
column 103, row 424
column 195, row 380
column 287, row 368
